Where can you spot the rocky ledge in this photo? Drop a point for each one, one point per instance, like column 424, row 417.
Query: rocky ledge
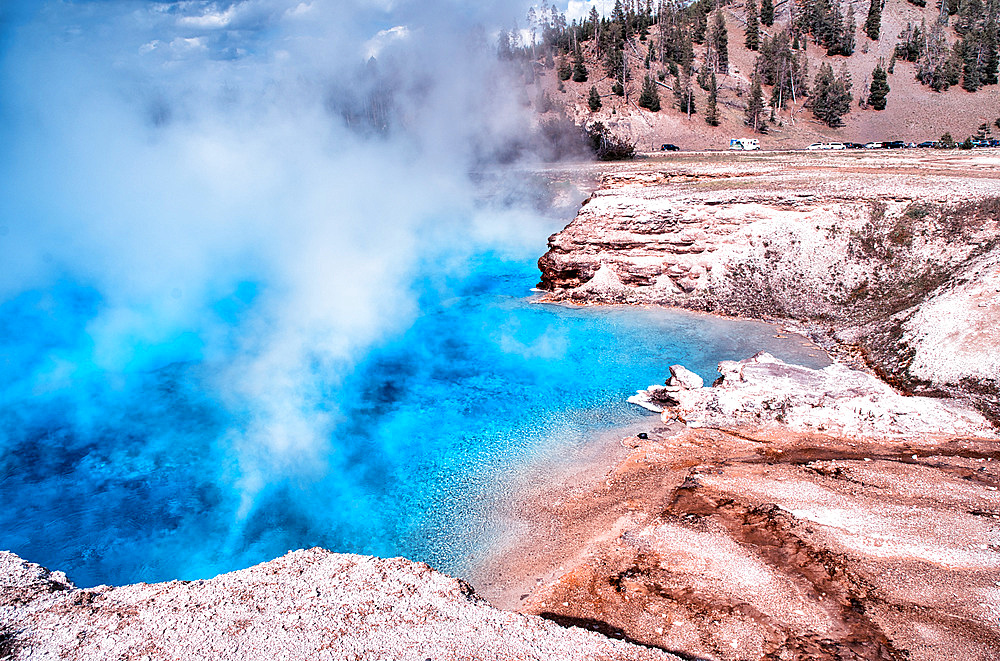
column 835, row 400
column 781, row 513
column 896, row 258
column 309, row 604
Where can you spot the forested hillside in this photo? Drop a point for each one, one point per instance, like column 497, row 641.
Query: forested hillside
column 786, row 71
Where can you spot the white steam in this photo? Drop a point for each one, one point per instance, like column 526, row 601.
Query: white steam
column 163, row 153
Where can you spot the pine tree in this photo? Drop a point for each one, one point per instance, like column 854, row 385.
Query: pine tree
column 938, row 66
column 838, row 38
column 614, row 61
column 782, row 68
column 595, row 22
column 767, row 12
column 720, row 42
column 702, row 78
column 649, row 99
column 684, row 94
column 594, row 100
column 879, row 88
column 712, row 110
column 991, row 53
column 874, row 23
column 752, row 32
column 892, row 62
column 565, row 69
column 971, row 80
column 754, row 114
column 831, row 96
column 847, row 36
column 580, row 72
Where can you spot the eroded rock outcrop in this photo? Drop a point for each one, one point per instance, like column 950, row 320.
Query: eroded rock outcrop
column 896, row 256
column 783, row 513
column 838, row 400
column 305, row 605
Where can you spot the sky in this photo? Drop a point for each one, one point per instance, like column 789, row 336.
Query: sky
column 579, row 9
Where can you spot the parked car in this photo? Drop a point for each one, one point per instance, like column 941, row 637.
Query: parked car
column 894, row 144
column 669, row 147
column 854, row 145
column 873, row 145
column 927, row 143
column 836, row 145
column 817, row 145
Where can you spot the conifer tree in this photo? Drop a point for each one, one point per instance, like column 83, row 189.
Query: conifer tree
column 847, row 36
column 767, row 12
column 752, row 31
column 712, row 110
column 719, row 38
column 938, row 65
column 580, row 72
column 595, row 22
column 831, row 96
column 565, row 69
column 614, row 63
column 991, row 53
column 879, row 88
column 703, row 74
column 649, row 99
column 754, row 114
column 684, row 94
column 594, row 100
column 874, row 23
column 971, row 79
column 837, row 31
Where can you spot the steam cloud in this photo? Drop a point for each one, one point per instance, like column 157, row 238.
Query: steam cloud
column 240, row 186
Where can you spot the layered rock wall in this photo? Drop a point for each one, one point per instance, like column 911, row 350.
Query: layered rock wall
column 899, row 257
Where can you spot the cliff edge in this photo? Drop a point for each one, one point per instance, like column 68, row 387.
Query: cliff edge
column 895, row 257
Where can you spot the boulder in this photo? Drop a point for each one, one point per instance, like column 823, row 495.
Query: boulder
column 682, row 376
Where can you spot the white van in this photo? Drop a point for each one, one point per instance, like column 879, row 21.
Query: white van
column 745, row 144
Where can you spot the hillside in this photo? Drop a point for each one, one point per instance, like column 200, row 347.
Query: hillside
column 914, row 111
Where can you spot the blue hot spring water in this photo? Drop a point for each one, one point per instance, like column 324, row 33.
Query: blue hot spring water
column 129, row 475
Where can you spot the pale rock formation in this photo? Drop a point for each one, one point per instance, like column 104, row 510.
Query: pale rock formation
column 899, row 258
column 961, row 322
column 682, row 376
column 310, row 604
column 835, row 400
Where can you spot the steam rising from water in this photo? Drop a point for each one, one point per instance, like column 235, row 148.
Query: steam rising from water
column 178, row 157
column 251, row 300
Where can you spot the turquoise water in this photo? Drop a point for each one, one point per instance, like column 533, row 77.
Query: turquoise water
column 251, row 299
column 133, row 474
